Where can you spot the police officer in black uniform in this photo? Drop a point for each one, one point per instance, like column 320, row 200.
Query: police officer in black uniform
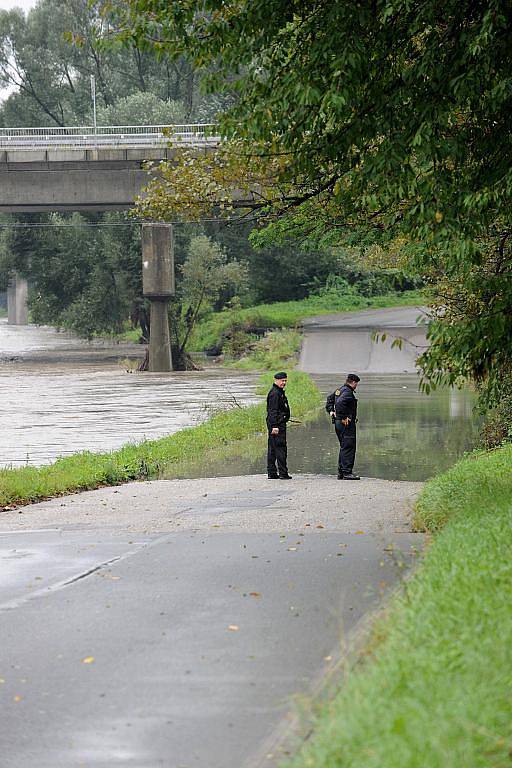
column 278, row 414
column 342, row 406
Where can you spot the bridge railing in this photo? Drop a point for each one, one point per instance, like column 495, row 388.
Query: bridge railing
column 105, row 136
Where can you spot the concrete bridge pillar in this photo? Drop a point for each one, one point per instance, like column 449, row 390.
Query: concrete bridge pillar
column 158, row 287
column 17, row 301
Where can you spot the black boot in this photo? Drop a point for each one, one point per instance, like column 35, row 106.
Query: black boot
column 351, row 476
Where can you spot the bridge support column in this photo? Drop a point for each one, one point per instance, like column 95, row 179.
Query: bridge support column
column 160, row 358
column 158, row 287
column 17, row 301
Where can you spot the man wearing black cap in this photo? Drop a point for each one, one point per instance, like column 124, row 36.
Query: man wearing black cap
column 278, row 413
column 344, row 412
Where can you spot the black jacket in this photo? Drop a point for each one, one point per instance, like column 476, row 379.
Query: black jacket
column 278, row 410
column 346, row 404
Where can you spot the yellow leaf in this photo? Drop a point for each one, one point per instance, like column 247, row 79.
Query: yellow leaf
column 88, row 660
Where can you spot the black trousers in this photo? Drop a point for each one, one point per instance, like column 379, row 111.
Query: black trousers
column 347, row 439
column 277, row 453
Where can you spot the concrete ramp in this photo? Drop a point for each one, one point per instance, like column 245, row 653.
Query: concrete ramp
column 341, row 343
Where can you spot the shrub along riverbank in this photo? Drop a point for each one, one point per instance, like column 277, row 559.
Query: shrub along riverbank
column 436, row 691
column 150, row 459
column 289, row 314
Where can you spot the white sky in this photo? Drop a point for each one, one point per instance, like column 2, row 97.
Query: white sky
column 6, row 5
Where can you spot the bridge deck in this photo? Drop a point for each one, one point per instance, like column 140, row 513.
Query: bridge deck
column 79, row 168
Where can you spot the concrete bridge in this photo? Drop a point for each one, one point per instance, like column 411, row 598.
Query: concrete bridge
column 97, row 169
column 86, row 169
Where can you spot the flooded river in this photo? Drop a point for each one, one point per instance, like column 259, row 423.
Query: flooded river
column 60, row 395
column 402, row 434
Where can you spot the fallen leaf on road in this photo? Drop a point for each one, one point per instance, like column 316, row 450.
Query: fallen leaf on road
column 320, row 525
column 17, row 698
column 254, row 594
column 233, row 628
column 359, row 533
column 88, row 660
column 292, row 549
column 327, row 658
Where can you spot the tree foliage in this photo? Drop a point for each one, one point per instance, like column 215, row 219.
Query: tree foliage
column 207, row 274
column 391, row 114
column 48, row 56
column 83, row 277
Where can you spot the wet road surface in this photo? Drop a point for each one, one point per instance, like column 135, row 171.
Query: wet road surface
column 344, row 342
column 169, row 623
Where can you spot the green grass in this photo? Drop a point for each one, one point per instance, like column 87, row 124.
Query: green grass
column 148, row 459
column 277, row 349
column 289, row 314
column 437, row 692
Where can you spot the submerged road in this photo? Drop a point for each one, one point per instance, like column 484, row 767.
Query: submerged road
column 343, row 342
column 169, row 623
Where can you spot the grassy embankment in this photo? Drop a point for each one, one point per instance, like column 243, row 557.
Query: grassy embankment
column 149, row 459
column 289, row 314
column 435, row 691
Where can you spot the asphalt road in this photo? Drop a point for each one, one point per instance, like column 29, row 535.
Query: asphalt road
column 370, row 319
column 169, row 623
column 343, row 342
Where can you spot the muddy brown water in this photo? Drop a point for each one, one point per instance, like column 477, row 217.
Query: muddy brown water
column 60, row 395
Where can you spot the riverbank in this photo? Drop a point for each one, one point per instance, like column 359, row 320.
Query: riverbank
column 289, row 314
column 434, row 686
column 149, row 459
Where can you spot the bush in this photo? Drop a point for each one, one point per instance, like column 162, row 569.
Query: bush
column 497, row 427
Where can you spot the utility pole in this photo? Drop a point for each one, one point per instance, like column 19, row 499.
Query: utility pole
column 93, row 95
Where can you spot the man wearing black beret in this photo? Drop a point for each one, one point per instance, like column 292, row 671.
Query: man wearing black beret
column 278, row 414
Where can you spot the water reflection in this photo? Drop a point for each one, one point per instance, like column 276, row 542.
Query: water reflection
column 402, row 434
